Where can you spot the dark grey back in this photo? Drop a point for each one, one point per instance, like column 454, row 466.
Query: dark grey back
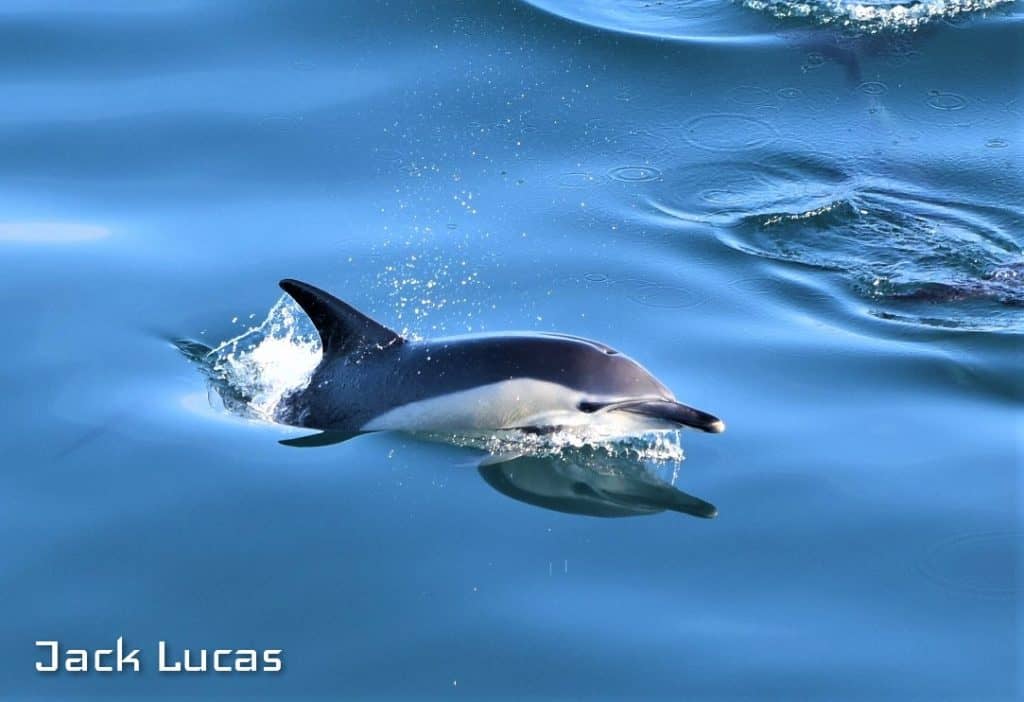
column 347, row 390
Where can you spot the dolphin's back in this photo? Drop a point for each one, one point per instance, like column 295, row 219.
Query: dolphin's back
column 370, row 378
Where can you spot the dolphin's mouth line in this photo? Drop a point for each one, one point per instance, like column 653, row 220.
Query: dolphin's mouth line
column 595, row 407
column 666, row 410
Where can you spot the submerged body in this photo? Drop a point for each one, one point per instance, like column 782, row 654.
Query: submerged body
column 371, row 379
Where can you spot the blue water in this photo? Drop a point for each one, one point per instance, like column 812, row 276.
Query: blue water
column 804, row 217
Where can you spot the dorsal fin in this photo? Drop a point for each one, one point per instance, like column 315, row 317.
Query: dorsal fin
column 342, row 328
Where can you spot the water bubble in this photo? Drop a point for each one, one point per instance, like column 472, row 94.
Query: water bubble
column 997, row 143
column 729, row 132
column 790, row 93
column 635, row 174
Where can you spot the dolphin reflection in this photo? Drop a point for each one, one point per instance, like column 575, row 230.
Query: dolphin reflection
column 595, row 484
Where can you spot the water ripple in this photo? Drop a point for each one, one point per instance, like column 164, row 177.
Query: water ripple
column 635, row 174
column 729, row 132
column 953, row 262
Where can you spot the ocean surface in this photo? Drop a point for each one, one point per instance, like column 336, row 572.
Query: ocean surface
column 804, row 217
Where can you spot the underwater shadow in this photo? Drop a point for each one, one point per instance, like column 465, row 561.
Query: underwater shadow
column 594, row 484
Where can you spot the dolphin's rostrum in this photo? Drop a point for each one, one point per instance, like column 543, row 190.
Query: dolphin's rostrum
column 372, row 379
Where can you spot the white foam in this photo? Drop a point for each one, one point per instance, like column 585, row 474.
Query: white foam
column 256, row 369
column 661, row 447
column 873, row 17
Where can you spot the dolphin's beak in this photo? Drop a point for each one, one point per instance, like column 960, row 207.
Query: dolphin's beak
column 678, row 413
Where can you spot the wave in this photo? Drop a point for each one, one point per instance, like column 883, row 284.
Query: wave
column 873, row 16
column 952, row 262
column 723, row 21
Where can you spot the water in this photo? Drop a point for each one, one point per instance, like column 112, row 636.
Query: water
column 803, row 217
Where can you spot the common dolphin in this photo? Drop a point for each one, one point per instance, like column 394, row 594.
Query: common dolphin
column 372, row 379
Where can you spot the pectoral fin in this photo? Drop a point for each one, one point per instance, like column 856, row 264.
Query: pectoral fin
column 324, row 438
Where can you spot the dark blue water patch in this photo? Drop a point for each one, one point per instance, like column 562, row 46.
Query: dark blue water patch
column 979, row 564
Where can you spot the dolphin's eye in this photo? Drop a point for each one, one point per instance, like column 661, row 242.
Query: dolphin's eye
column 611, row 352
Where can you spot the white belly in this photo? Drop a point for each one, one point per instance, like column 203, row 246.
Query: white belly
column 511, row 403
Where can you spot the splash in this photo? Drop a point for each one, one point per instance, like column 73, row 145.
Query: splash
column 659, row 448
column 251, row 373
column 419, row 289
column 873, row 17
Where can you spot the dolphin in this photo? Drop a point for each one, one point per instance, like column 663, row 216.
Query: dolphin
column 372, row 379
